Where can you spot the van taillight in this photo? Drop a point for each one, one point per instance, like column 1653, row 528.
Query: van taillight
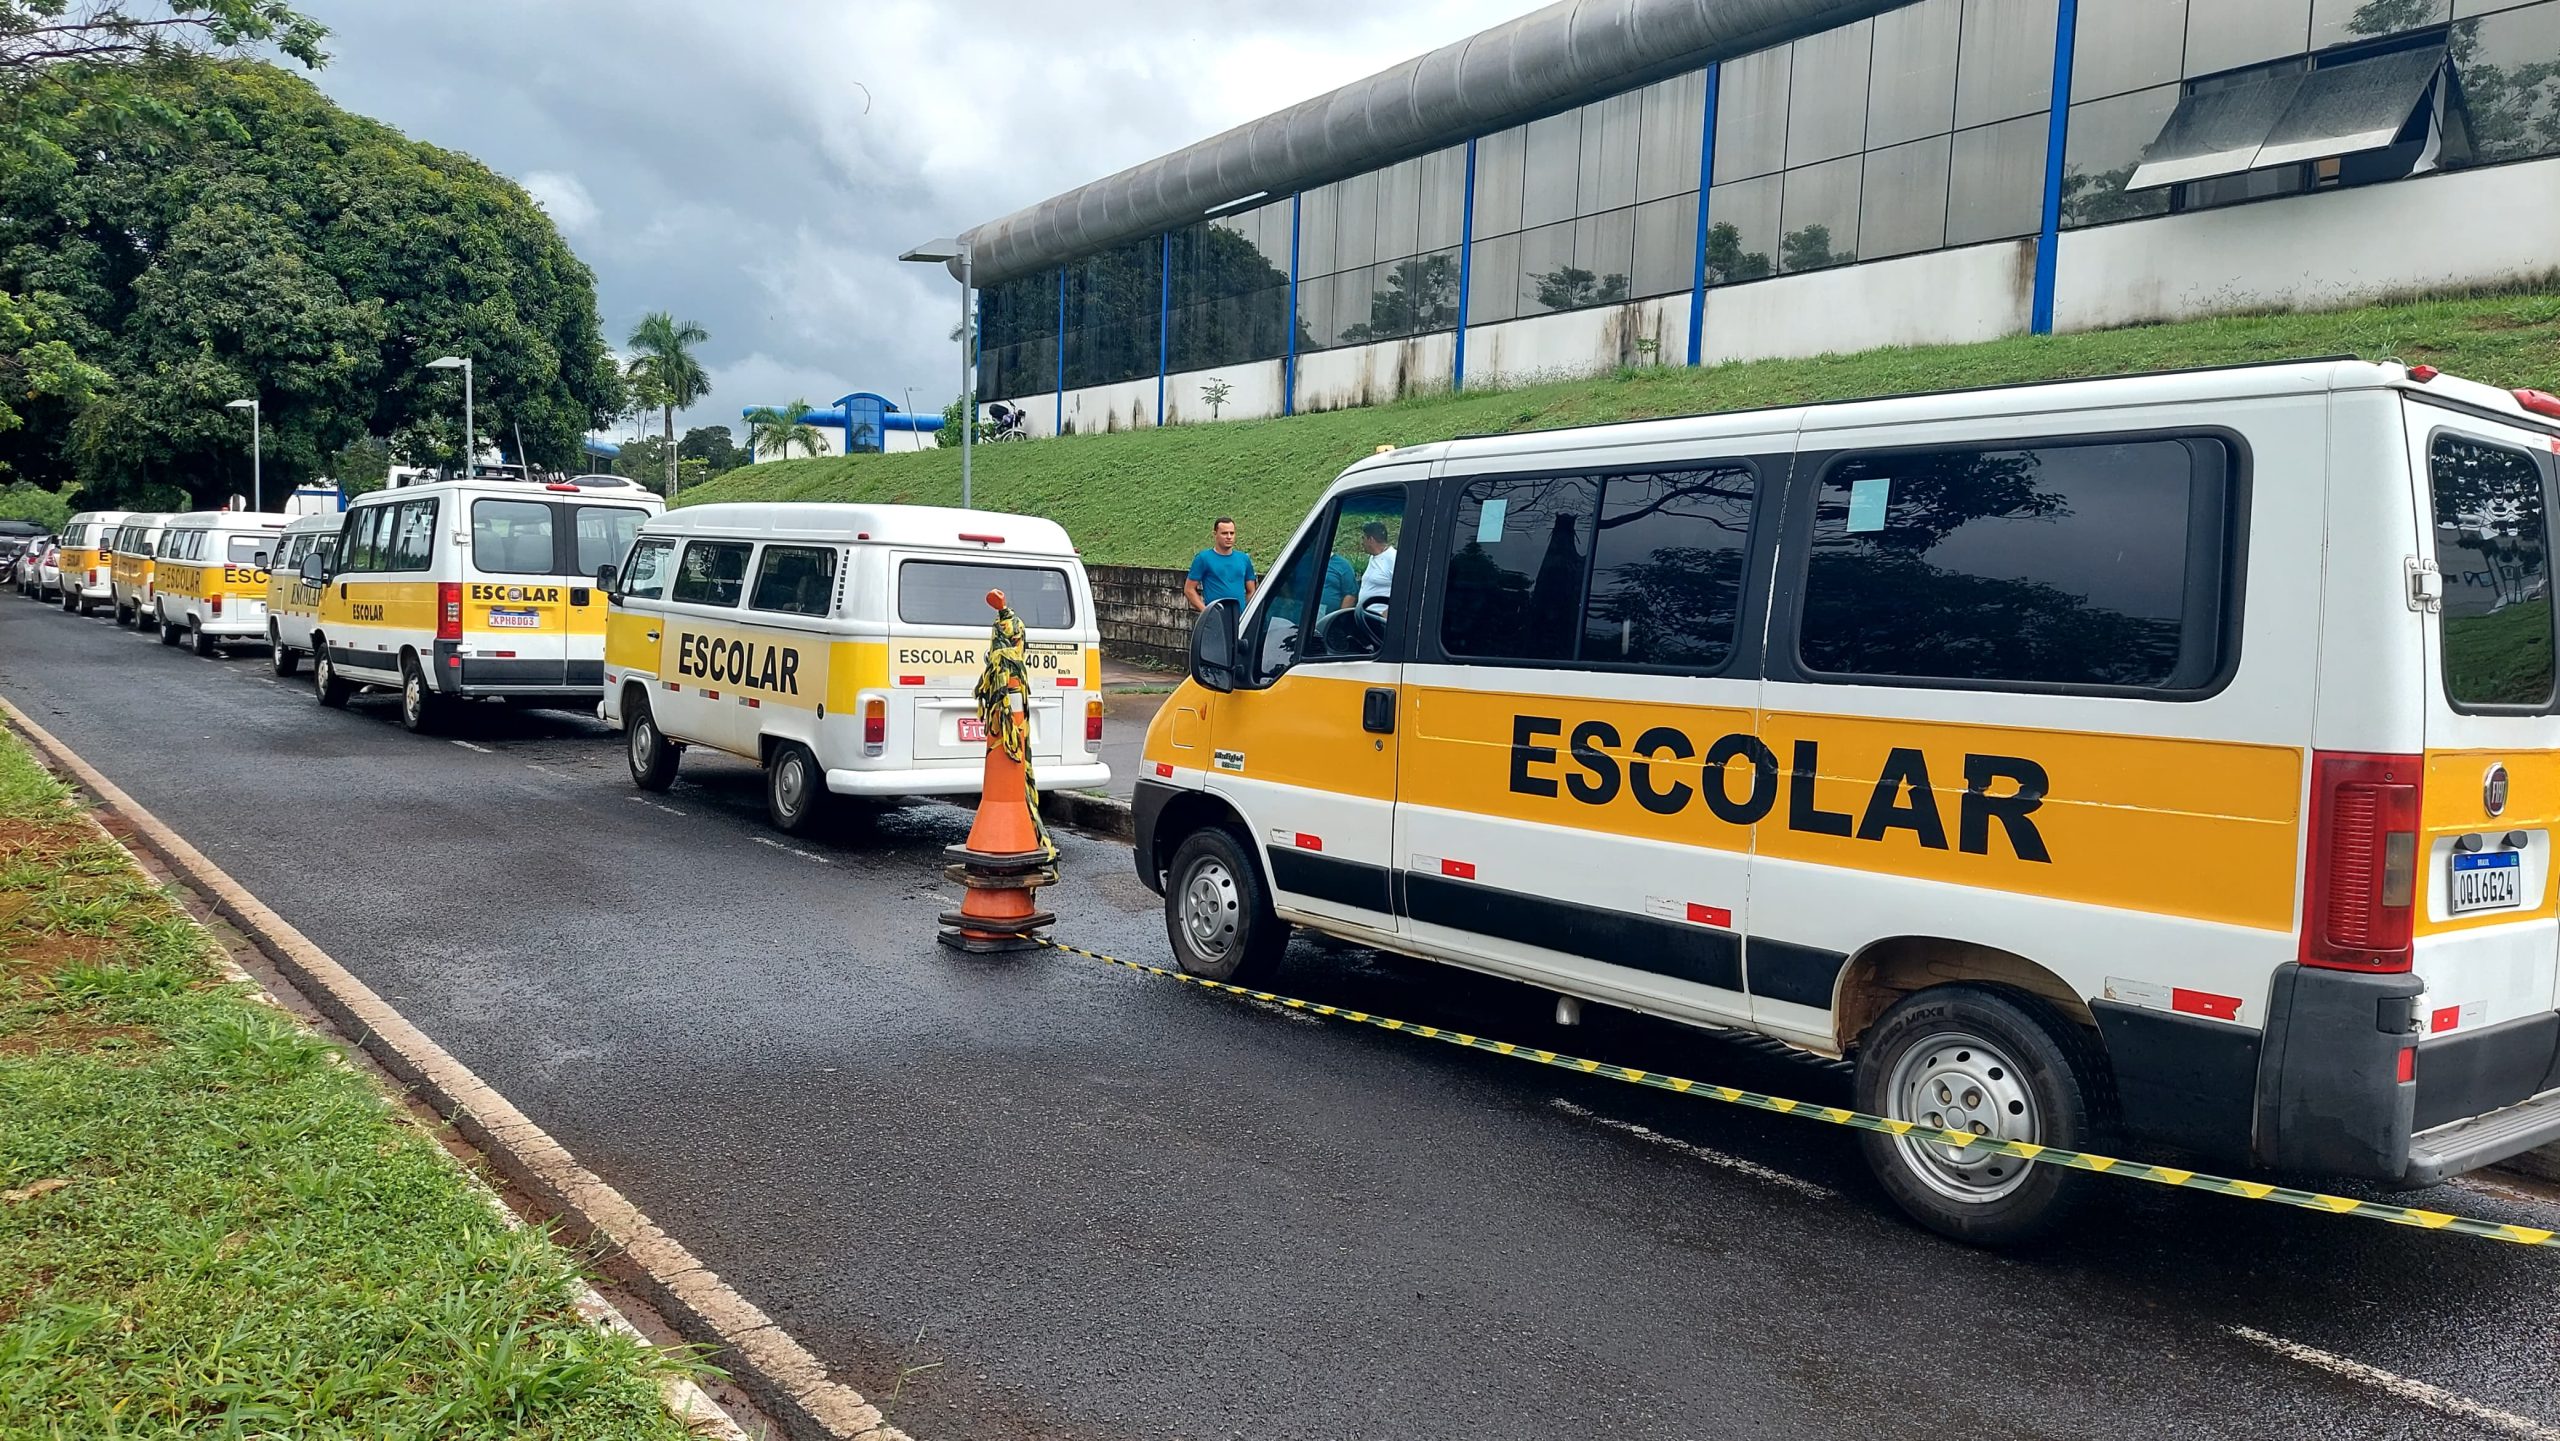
column 213, row 606
column 2359, row 892
column 875, row 726
column 448, row 611
column 1093, row 723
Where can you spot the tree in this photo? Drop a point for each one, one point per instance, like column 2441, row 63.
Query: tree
column 714, row 447
column 21, row 501
column 1217, row 392
column 777, row 433
column 360, row 467
column 1421, row 294
column 674, row 379
column 1570, row 288
column 1727, row 261
column 1810, row 249
column 36, row 38
column 644, row 460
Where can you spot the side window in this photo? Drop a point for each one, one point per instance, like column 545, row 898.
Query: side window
column 796, row 580
column 2493, row 543
column 713, row 572
column 2059, row 564
column 1328, row 601
column 645, row 578
column 1666, row 568
column 413, row 535
column 364, row 539
column 1518, row 549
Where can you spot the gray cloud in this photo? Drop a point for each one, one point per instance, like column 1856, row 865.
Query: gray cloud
column 758, row 168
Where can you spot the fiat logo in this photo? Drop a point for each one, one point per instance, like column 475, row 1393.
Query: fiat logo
column 2493, row 790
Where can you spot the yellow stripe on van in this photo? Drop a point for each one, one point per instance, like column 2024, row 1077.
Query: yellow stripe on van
column 2455, row 803
column 246, row 582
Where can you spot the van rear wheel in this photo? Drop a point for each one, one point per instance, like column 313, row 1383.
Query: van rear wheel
column 1990, row 1063
column 203, row 642
column 421, row 709
column 653, row 757
column 171, row 634
column 795, row 787
column 1217, row 915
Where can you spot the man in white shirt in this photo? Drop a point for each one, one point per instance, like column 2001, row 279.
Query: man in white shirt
column 1379, row 579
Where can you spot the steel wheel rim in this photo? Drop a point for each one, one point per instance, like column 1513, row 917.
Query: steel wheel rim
column 1212, row 909
column 791, row 783
column 1957, row 1081
column 644, row 743
column 413, row 696
column 322, row 672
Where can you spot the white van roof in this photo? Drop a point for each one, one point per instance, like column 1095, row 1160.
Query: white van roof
column 925, row 527
column 109, row 517
column 227, row 520
column 621, row 492
column 318, row 520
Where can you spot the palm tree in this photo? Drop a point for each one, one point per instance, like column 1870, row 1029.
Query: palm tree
column 665, row 371
column 782, row 432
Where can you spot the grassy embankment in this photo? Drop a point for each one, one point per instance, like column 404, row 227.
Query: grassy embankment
column 210, row 1228
column 1146, row 497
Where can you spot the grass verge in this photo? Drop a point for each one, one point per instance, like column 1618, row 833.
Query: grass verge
column 210, row 1228
column 1146, row 497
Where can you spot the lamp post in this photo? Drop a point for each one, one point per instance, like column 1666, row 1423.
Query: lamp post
column 470, row 446
column 257, row 477
column 943, row 252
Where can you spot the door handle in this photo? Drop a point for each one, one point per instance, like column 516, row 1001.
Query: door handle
column 1378, row 710
column 653, row 635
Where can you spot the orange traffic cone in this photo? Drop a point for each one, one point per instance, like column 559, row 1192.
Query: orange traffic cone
column 1006, row 857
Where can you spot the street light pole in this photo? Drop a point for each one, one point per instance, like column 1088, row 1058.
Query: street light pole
column 470, row 447
column 943, row 252
column 257, row 469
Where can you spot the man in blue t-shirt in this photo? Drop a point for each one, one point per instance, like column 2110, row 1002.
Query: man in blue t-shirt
column 1221, row 572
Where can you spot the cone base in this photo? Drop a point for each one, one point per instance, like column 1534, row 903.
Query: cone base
column 998, row 925
column 984, row 945
column 997, row 860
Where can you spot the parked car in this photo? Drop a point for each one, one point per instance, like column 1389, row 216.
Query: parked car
column 35, row 572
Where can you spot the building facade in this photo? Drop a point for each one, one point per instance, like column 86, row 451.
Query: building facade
column 1908, row 178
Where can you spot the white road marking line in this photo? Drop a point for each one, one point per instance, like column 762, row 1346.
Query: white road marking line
column 653, row 805
column 2416, row 1393
column 1695, row 1152
column 795, row 850
column 484, row 750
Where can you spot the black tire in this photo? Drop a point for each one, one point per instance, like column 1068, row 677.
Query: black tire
column 124, row 615
column 171, row 634
column 795, row 788
column 325, row 684
column 203, row 642
column 1993, row 1062
column 422, row 711
column 653, row 757
column 280, row 658
column 1217, row 913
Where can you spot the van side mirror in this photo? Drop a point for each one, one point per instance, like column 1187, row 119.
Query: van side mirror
column 605, row 577
column 315, row 569
column 263, row 559
column 1213, row 647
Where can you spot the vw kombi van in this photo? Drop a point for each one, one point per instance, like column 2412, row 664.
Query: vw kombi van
column 209, row 577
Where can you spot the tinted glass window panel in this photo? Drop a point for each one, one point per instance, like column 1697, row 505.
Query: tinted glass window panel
column 1399, row 209
column 1513, row 588
column 2058, row 564
column 372, row 530
column 2509, row 65
column 1751, row 115
column 1493, row 280
column 1546, row 270
column 2105, row 147
column 1903, row 199
column 1277, row 219
column 1666, row 245
column 2007, row 64
column 1355, row 583
column 1666, row 570
column 2121, row 45
column 1411, row 297
column 1348, row 295
column 511, row 537
column 1499, row 160
column 938, row 592
column 413, row 539
column 1742, row 230
column 1674, row 126
column 1827, row 100
column 1552, row 173
column 1913, row 90
column 1995, row 186
column 645, row 578
column 1315, row 315
column 712, row 572
column 2343, row 22
column 1315, row 232
column 1820, row 216
column 1276, row 634
column 1609, row 130
column 243, row 549
column 1266, row 315
column 1355, row 221
column 1442, row 206
column 2227, row 34
column 2493, row 543
column 796, row 580
column 1604, row 248
column 603, row 533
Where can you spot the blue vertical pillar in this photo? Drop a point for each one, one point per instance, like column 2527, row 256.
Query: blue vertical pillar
column 1060, row 428
column 1706, row 182
column 1466, row 269
column 1289, row 363
column 2057, row 136
column 1164, row 319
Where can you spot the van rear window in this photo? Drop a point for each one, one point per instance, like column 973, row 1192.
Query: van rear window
column 937, row 592
column 244, row 548
column 2493, row 543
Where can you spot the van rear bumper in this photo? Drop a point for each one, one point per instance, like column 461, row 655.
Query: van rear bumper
column 959, row 780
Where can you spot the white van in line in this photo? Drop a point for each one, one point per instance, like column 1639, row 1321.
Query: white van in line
column 840, row 645
column 2174, row 757
column 89, row 558
column 468, row 590
column 209, row 577
column 293, row 604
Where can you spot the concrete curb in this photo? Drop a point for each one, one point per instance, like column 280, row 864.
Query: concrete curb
column 771, row 1367
column 1096, row 815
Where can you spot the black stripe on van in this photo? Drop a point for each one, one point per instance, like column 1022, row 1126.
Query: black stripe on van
column 1697, row 954
column 1330, row 878
column 1800, row 975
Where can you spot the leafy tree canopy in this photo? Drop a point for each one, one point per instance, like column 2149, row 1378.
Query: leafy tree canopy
column 277, row 246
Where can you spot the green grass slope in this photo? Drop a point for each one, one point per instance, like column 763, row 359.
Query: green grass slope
column 1146, row 497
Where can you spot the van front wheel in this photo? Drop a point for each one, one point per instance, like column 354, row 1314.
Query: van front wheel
column 1217, row 915
column 279, row 659
column 1973, row 1060
column 795, row 788
column 653, row 757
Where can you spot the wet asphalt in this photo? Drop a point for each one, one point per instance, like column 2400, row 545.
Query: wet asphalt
column 1040, row 1197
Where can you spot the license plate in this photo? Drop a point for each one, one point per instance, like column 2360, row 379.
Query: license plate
column 515, row 619
column 2487, row 881
column 973, row 729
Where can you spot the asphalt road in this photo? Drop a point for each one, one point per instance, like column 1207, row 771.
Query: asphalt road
column 1098, row 1205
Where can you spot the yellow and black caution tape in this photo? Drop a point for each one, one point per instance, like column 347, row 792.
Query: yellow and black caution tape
column 1859, row 1120
column 1002, row 682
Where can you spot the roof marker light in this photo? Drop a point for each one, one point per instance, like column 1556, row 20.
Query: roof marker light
column 2540, row 402
column 2423, row 373
column 982, row 539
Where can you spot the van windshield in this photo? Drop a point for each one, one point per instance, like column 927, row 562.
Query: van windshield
column 935, row 592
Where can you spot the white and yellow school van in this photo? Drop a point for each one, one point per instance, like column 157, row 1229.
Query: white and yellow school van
column 136, row 537
column 840, row 647
column 469, row 590
column 209, row 577
column 293, row 603
column 88, row 558
column 2172, row 761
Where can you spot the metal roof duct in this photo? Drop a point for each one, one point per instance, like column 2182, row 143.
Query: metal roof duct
column 1567, row 54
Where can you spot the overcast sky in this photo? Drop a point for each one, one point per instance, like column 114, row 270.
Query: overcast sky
column 758, row 167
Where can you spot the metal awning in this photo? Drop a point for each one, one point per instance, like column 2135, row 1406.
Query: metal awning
column 2288, row 118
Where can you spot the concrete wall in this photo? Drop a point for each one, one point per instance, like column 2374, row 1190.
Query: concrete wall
column 1579, row 342
column 1253, row 391
column 1376, row 374
column 1981, row 292
column 1143, row 614
column 2341, row 247
column 1129, row 405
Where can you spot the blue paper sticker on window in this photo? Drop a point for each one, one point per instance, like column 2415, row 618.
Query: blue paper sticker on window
column 1866, row 504
column 1489, row 521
